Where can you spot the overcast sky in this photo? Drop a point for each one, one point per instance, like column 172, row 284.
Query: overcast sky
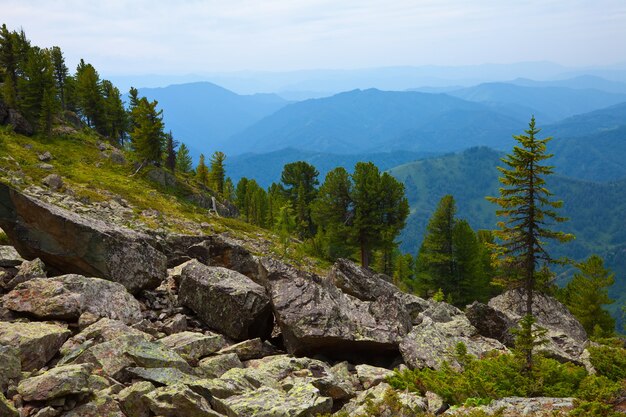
column 196, row 36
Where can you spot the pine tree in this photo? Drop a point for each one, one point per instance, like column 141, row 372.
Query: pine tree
column 38, row 94
column 218, row 171
column 89, row 95
column 202, row 172
column 527, row 210
column 229, row 190
column 299, row 182
column 14, row 50
column 170, row 151
column 61, row 73
column 184, row 163
column 115, row 119
column 587, row 293
column 147, row 137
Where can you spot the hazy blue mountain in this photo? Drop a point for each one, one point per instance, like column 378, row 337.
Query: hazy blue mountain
column 601, row 120
column 369, row 121
column 266, row 168
column 471, row 175
column 580, row 82
column 204, row 114
column 548, row 104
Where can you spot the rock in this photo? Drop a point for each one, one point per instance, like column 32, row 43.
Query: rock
column 178, row 401
column 229, row 253
column 132, row 400
column 411, row 403
column 370, row 376
column 413, row 304
column 193, row 346
column 115, row 356
column 19, row 123
column 360, row 282
column 68, row 296
column 104, row 330
column 7, row 409
column 429, row 344
column 9, row 257
column 117, row 157
column 102, row 406
column 57, row 382
column 518, row 406
column 315, row 317
column 27, row 271
column 490, row 322
column 215, row 366
column 45, row 157
column 226, row 301
column 37, row 343
column 163, row 376
column 250, row 349
column 565, row 336
column 45, row 167
column 53, row 181
column 10, row 366
column 48, row 412
column 72, row 243
column 436, row 404
column 175, row 324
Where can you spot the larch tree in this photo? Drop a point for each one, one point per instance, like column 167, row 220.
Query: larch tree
column 147, row 137
column 184, row 162
column 170, row 151
column 202, row 172
column 61, row 73
column 218, row 171
column 299, row 184
column 528, row 213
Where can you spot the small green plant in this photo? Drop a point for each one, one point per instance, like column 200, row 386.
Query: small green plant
column 439, row 296
column 4, row 239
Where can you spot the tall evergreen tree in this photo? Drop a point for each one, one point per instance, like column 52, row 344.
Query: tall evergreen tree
column 38, row 94
column 14, row 48
column 528, row 212
column 184, row 163
column 218, row 171
column 299, row 182
column 89, row 94
column 147, row 136
column 115, row 119
column 202, row 172
column 170, row 151
column 61, row 73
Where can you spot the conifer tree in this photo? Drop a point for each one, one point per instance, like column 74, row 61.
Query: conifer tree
column 184, row 163
column 170, row 151
column 218, row 171
column 299, row 182
column 229, row 189
column 147, row 136
column 202, row 172
column 38, row 94
column 528, row 212
column 115, row 119
column 89, row 94
column 61, row 73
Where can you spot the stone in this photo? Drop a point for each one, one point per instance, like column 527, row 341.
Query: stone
column 72, row 243
column 37, row 343
column 226, row 301
column 216, row 366
column 178, row 401
column 175, row 324
column 229, row 253
column 193, row 346
column 53, row 181
column 57, row 382
column 19, row 123
column 370, row 376
column 413, row 304
column 68, row 296
column 131, row 399
column 7, row 409
column 117, row 157
column 251, row 349
column 9, row 257
column 48, row 412
column 490, row 322
column 315, row 317
column 45, row 157
column 359, row 405
column 45, row 167
column 10, row 366
column 27, row 271
column 102, row 405
column 436, row 404
column 566, row 337
column 360, row 282
column 519, row 406
column 163, row 376
column 431, row 343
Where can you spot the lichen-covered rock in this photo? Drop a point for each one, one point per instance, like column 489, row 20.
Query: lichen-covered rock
column 57, row 382
column 251, row 349
column 178, row 401
column 53, row 181
column 430, row 343
column 7, row 409
column 68, row 296
column 101, row 406
column 114, row 356
column 490, row 322
column 72, row 243
column 375, row 396
column 132, row 401
column 519, row 406
column 226, row 301
column 104, row 330
column 360, row 282
column 566, row 337
column 10, row 366
column 193, row 346
column 315, row 317
column 370, row 376
column 27, row 271
column 37, row 343
column 215, row 366
column 19, row 123
column 9, row 257
column 162, row 376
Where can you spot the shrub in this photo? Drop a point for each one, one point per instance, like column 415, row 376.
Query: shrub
column 609, row 361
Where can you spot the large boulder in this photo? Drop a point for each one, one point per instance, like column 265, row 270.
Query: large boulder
column 193, row 346
column 68, row 296
column 37, row 343
column 520, row 406
column 72, row 243
column 317, row 317
column 19, row 123
column 57, row 382
column 226, row 301
column 178, row 401
column 10, row 366
column 566, row 338
column 360, row 282
column 490, row 322
column 9, row 257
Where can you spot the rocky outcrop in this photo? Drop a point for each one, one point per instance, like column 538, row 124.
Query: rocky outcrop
column 565, row 336
column 75, row 244
column 490, row 322
column 226, row 301
column 68, row 296
column 360, row 282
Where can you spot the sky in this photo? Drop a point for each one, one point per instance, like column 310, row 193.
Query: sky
column 204, row 36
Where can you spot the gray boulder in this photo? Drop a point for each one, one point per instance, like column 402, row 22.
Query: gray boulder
column 36, row 343
column 19, row 123
column 250, row 349
column 215, row 366
column 226, row 301
column 490, row 322
column 360, row 282
column 10, row 366
column 53, row 181
column 9, row 257
column 68, row 296
column 57, row 382
column 72, row 243
column 178, row 401
column 27, row 271
column 193, row 346
column 132, row 401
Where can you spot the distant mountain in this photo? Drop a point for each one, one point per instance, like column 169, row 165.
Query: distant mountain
column 370, row 121
column 548, row 104
column 595, row 210
column 203, row 114
column 581, row 125
column 266, row 168
column 580, row 82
